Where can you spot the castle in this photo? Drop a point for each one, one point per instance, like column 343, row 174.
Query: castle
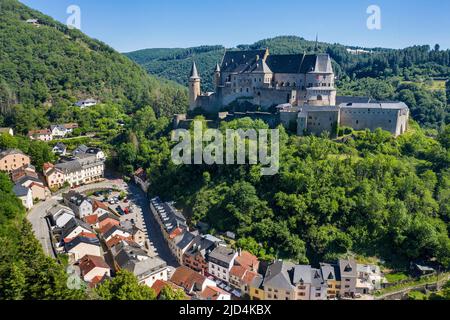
column 299, row 88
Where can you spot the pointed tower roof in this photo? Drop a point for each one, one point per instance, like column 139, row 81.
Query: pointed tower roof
column 194, row 72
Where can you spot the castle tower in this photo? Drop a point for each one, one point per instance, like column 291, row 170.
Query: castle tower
column 217, row 76
column 194, row 87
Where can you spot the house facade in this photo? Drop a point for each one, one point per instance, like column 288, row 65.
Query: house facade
column 13, row 159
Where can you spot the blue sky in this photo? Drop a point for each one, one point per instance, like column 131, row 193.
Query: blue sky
column 139, row 24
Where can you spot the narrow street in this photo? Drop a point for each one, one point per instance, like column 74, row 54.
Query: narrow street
column 36, row 216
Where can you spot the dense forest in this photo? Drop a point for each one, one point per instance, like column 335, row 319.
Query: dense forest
column 417, row 75
column 50, row 65
column 370, row 193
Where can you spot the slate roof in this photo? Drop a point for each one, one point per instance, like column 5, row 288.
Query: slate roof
column 20, row 191
column 8, row 152
column 277, row 275
column 194, row 72
column 223, row 254
column 201, row 245
column 183, row 240
column 111, row 231
column 330, row 272
column 316, row 279
column 72, row 225
column 348, row 268
column 238, row 61
column 78, row 240
column 381, row 106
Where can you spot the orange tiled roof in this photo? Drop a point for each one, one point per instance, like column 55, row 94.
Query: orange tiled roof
column 83, row 234
column 175, row 233
column 238, row 271
column 88, row 263
column 187, row 278
column 116, row 240
column 249, row 276
column 93, row 219
column 247, row 260
column 101, row 205
column 211, row 293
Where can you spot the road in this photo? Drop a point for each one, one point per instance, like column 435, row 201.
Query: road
column 36, row 216
column 135, row 195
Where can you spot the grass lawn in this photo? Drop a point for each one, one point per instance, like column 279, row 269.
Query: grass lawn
column 396, row 277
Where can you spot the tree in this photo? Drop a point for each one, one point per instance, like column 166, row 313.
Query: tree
column 124, row 286
column 169, row 293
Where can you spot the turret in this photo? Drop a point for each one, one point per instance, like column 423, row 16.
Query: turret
column 194, row 87
column 217, row 75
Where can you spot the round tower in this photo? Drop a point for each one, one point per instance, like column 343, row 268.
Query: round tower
column 194, row 87
column 217, row 76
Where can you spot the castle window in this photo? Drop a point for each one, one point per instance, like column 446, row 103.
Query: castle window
column 259, row 94
column 357, row 121
column 247, row 89
column 319, row 97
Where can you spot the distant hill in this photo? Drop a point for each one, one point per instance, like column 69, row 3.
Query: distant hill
column 48, row 62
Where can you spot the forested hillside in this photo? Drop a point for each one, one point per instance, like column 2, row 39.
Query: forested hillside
column 417, row 76
column 50, row 65
column 370, row 193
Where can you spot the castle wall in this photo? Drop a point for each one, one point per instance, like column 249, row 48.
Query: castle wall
column 321, row 121
column 392, row 120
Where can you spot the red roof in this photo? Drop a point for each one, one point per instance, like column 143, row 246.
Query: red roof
column 187, row 278
column 247, row 260
column 70, row 125
column 249, row 276
column 88, row 263
column 39, row 132
column 116, row 240
column 175, row 233
column 83, row 234
column 93, row 219
column 212, row 293
column 101, row 205
column 238, row 271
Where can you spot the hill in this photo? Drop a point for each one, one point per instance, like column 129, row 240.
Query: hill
column 48, row 63
column 405, row 74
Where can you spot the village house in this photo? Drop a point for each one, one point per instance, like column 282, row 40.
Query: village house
column 369, row 279
column 167, row 217
column 86, row 103
column 220, row 262
column 62, row 130
column 140, row 178
column 256, row 289
column 349, row 276
column 13, row 159
column 25, row 195
column 82, row 246
column 80, row 204
column 73, row 228
column 92, row 267
column 55, row 177
column 196, row 255
column 332, row 275
column 83, row 170
column 179, row 241
column 25, row 171
column 116, row 231
column 133, row 258
column 277, row 282
column 60, row 215
column 60, row 149
column 38, row 190
column 99, row 208
column 191, row 281
column 41, row 135
column 106, row 221
column 213, row 294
